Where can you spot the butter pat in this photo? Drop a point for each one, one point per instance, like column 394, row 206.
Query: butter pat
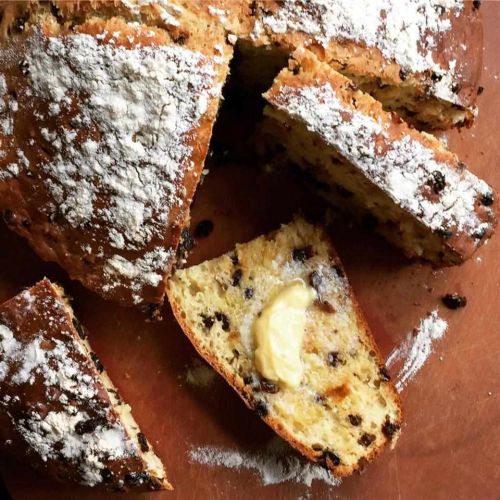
column 279, row 332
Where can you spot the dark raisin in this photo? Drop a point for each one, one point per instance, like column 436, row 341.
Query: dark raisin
column 476, row 4
column 24, row 66
column 455, row 88
column 339, row 271
column 330, row 459
column 480, row 90
column 19, row 23
column 322, row 400
column 444, row 233
column 435, row 77
column 302, row 254
column 222, row 318
column 87, row 426
column 366, row 439
column 384, row 374
column 97, row 362
column 454, row 301
column 479, row 234
column 235, row 260
column 437, row 181
column 248, row 293
column 325, row 306
column 136, row 478
column 355, row 419
column 80, row 329
column 237, row 275
column 248, row 380
column 106, row 475
column 403, row 75
column 333, row 359
column 181, row 38
column 143, row 442
column 208, row 321
column 487, row 199
column 203, row 228
column 269, row 386
column 261, row 408
column 389, row 429
column 8, row 216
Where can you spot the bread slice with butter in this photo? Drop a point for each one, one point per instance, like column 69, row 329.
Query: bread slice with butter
column 276, row 317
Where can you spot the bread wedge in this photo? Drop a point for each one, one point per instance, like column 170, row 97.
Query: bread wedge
column 413, row 190
column 343, row 409
column 59, row 410
column 420, row 58
column 106, row 114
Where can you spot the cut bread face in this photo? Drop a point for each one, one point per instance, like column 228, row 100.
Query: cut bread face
column 59, row 410
column 415, row 192
column 422, row 59
column 106, row 114
column 342, row 409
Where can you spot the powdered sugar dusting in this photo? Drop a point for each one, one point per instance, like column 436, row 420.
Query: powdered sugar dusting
column 416, row 348
column 405, row 31
column 403, row 168
column 50, row 391
column 118, row 165
column 276, row 464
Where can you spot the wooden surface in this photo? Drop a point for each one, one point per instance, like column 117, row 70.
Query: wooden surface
column 450, row 443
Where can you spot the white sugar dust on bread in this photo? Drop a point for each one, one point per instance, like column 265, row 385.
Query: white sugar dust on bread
column 420, row 58
column 107, row 115
column 415, row 192
column 59, row 410
column 336, row 405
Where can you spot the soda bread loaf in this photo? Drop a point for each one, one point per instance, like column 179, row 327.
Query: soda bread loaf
column 327, row 393
column 417, row 193
column 58, row 408
column 106, row 114
column 420, row 58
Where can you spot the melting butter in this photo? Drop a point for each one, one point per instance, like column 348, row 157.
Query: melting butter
column 279, row 331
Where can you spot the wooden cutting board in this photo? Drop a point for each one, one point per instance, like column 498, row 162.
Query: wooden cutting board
column 450, row 443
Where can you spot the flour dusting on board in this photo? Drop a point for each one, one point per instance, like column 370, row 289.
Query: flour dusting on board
column 416, row 348
column 276, row 464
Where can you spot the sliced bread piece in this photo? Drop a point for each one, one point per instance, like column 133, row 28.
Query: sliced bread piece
column 420, row 58
column 310, row 370
column 58, row 407
column 420, row 195
column 106, row 114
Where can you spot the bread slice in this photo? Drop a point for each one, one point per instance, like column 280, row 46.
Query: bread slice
column 106, row 114
column 417, row 193
column 58, row 408
column 345, row 409
column 422, row 59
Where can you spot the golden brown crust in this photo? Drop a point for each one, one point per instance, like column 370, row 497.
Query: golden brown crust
column 247, row 395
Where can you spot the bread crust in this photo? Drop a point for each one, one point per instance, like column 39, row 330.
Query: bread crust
column 246, row 394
